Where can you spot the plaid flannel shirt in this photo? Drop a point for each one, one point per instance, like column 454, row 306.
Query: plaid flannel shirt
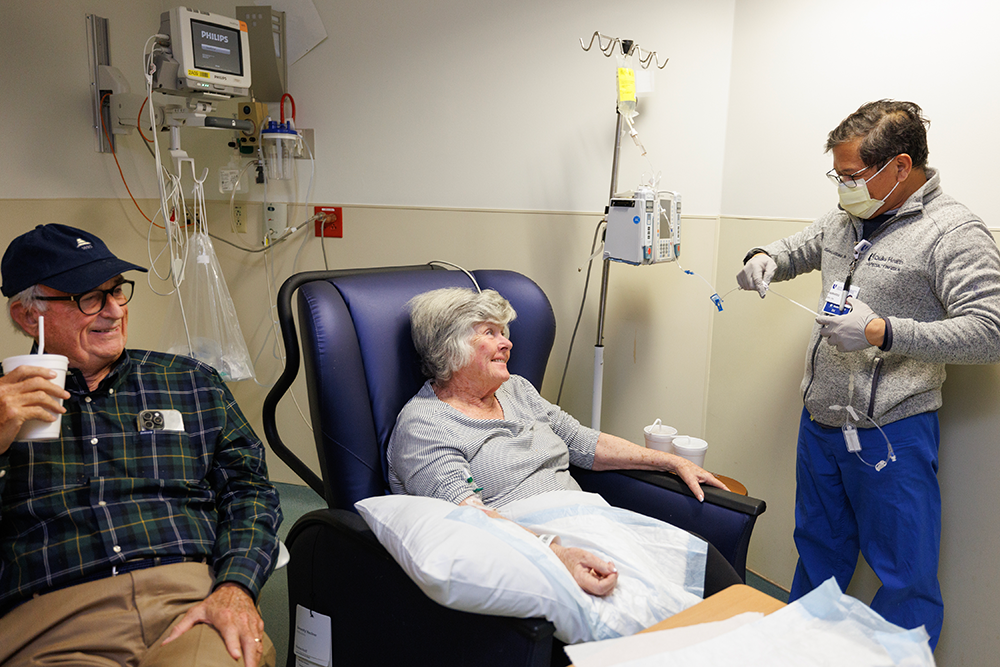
column 107, row 492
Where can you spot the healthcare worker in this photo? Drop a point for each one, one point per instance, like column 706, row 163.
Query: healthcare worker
column 911, row 282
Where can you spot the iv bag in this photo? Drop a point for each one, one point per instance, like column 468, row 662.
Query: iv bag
column 626, row 99
column 203, row 320
column 626, row 91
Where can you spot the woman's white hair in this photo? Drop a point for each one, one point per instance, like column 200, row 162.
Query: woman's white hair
column 29, row 299
column 442, row 323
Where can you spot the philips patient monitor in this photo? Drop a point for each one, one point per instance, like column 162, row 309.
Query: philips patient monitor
column 209, row 54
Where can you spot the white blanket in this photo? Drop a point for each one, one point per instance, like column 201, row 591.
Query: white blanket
column 463, row 559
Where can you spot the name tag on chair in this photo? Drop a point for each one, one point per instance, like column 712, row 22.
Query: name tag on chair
column 313, row 644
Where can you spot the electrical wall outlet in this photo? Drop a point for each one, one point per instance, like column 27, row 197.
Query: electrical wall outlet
column 333, row 225
column 239, row 219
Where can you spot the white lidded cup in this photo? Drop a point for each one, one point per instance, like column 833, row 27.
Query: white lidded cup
column 36, row 429
column 659, row 436
column 691, row 448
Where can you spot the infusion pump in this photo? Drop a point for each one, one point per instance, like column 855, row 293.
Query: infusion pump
column 644, row 229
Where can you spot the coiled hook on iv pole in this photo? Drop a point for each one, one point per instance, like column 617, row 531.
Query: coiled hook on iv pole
column 628, row 48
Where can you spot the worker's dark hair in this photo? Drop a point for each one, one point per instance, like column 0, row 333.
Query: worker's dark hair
column 887, row 128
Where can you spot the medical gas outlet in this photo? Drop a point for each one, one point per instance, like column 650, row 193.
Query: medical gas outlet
column 644, row 229
column 331, row 225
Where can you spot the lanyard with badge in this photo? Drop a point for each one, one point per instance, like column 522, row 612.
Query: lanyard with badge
column 836, row 304
column 836, row 298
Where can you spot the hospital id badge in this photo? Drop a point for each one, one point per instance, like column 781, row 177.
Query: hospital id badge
column 835, row 296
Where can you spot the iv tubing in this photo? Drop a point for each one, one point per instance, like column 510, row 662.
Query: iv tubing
column 805, row 308
column 583, row 301
column 890, row 454
column 463, row 270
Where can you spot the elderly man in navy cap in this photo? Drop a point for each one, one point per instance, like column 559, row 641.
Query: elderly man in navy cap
column 144, row 533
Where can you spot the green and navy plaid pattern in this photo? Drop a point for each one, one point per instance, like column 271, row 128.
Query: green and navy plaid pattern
column 106, row 492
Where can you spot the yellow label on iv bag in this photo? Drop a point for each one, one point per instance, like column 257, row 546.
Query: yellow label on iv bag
column 626, row 84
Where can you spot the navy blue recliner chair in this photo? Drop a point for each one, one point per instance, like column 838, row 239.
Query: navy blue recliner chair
column 361, row 368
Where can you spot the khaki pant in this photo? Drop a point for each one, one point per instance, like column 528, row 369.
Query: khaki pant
column 118, row 621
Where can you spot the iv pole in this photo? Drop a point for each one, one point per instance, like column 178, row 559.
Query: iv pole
column 595, row 408
column 627, row 47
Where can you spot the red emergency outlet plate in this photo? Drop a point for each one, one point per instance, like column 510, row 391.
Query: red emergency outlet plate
column 332, row 226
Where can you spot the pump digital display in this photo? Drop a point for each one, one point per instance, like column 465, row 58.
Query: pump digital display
column 216, row 48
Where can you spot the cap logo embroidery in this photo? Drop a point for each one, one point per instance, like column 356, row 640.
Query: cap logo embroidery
column 82, row 244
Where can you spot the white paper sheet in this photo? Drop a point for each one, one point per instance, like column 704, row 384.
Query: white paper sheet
column 612, row 652
column 823, row 628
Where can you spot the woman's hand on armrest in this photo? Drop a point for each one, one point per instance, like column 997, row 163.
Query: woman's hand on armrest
column 694, row 475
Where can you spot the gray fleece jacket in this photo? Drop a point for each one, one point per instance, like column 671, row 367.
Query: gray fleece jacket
column 933, row 271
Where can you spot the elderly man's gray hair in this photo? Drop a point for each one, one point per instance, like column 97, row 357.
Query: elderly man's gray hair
column 442, row 323
column 29, row 299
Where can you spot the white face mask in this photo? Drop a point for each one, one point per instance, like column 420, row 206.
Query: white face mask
column 857, row 201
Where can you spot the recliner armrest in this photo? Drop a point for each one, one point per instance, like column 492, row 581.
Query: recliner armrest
column 727, row 499
column 724, row 519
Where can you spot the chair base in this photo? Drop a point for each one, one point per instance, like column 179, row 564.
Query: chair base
column 336, row 558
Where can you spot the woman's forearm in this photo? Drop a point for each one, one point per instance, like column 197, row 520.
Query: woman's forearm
column 614, row 453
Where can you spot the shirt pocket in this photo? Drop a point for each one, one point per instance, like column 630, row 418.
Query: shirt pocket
column 164, row 455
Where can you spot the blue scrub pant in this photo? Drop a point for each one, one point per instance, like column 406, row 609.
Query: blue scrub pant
column 892, row 516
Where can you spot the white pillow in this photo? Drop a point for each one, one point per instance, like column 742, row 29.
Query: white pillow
column 465, row 560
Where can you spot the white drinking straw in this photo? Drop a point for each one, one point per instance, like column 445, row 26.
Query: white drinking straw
column 41, row 334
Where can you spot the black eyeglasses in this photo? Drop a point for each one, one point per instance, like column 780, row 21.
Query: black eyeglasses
column 850, row 180
column 93, row 302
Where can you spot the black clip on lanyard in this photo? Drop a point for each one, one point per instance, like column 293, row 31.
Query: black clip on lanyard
column 859, row 248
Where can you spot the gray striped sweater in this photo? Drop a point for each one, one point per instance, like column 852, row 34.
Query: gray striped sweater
column 435, row 449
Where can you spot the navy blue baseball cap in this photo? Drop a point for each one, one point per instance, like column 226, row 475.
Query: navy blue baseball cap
column 61, row 257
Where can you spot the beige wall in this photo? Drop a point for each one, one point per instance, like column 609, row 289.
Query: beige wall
column 758, row 351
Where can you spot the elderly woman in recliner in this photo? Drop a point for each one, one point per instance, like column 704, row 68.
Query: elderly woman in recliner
column 476, row 435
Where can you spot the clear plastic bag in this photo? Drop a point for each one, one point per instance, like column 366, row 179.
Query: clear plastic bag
column 202, row 323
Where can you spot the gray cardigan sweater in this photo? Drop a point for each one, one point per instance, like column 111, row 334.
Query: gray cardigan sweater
column 933, row 271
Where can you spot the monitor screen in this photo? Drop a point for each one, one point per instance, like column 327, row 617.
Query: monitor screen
column 216, row 48
column 208, row 54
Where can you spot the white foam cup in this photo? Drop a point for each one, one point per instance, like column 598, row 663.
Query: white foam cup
column 660, row 436
column 691, row 448
column 36, row 429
